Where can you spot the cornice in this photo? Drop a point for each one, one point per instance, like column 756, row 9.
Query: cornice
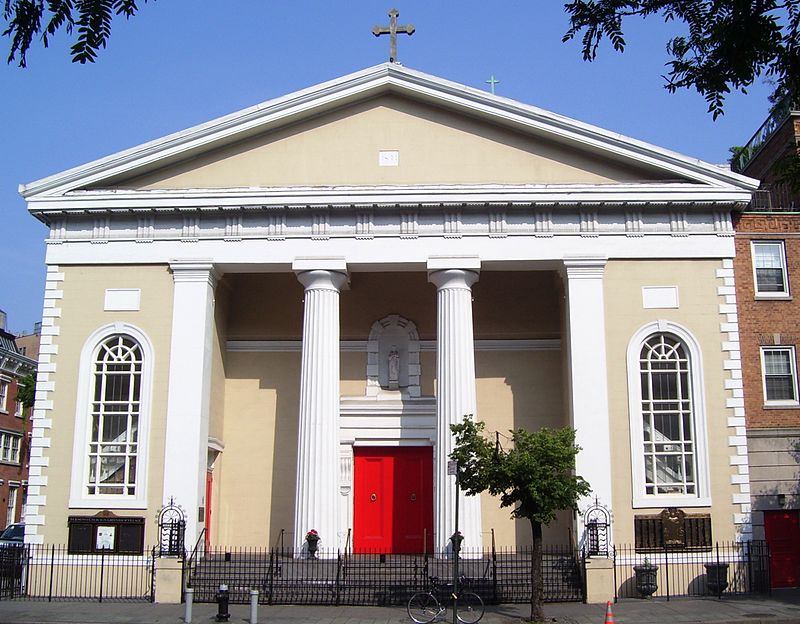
column 386, row 198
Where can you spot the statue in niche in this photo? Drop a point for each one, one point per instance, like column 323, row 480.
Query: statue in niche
column 394, row 368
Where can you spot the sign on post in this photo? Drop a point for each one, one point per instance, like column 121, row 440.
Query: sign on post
column 452, row 467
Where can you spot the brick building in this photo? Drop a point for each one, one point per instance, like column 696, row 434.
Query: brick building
column 13, row 428
column 767, row 270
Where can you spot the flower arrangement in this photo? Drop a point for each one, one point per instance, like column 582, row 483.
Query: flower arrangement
column 312, row 536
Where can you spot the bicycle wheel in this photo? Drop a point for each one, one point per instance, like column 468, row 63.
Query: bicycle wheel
column 470, row 607
column 423, row 607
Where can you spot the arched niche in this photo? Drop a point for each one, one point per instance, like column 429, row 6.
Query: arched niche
column 393, row 357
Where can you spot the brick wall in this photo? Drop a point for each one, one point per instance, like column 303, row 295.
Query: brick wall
column 761, row 322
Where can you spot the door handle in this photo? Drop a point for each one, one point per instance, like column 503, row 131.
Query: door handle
column 373, row 497
column 413, row 497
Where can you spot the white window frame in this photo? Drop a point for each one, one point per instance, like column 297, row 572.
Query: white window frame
column 7, row 441
column 80, row 453
column 783, row 294
column 19, row 409
column 11, row 507
column 5, row 388
column 793, row 366
column 702, row 495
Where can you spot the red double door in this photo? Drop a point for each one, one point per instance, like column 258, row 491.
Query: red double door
column 782, row 529
column 393, row 499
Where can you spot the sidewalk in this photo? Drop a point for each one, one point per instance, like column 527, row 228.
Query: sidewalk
column 781, row 608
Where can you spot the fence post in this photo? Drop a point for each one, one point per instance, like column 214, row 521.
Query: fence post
column 153, row 575
column 102, row 572
column 52, row 571
column 494, row 571
column 614, row 564
column 666, row 568
column 272, row 570
column 338, row 574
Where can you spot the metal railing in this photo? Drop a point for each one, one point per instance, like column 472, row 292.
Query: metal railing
column 779, row 113
column 50, row 572
column 337, row 578
column 726, row 568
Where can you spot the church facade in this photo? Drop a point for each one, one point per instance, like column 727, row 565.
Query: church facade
column 272, row 319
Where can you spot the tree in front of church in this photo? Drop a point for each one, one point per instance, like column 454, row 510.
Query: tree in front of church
column 535, row 476
column 727, row 46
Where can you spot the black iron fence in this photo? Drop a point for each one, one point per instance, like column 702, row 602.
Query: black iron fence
column 725, row 568
column 50, row 572
column 335, row 578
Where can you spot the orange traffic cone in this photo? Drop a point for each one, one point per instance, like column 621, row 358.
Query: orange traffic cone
column 609, row 614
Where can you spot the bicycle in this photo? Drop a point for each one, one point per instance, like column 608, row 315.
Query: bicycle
column 424, row 607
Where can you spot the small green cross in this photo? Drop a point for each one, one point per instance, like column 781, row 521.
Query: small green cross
column 492, row 82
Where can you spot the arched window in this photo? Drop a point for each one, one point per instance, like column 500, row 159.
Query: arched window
column 114, row 418
column 667, row 417
column 668, row 442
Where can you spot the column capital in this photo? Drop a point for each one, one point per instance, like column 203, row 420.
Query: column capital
column 453, row 278
column 321, row 279
column 194, row 271
column 585, row 267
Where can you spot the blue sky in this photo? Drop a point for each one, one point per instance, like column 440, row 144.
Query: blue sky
column 183, row 62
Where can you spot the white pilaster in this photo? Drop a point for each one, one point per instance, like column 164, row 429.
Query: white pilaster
column 588, row 377
column 455, row 395
column 317, row 498
column 189, row 390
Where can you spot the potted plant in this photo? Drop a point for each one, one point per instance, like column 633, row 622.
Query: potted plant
column 646, row 575
column 312, row 539
column 716, row 577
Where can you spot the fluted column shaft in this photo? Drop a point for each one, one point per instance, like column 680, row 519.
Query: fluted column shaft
column 455, row 398
column 316, row 503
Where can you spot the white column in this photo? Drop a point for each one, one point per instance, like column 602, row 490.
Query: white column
column 317, row 498
column 455, row 394
column 189, row 391
column 588, row 377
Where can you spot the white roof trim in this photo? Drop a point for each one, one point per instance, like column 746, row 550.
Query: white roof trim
column 386, row 197
column 387, row 77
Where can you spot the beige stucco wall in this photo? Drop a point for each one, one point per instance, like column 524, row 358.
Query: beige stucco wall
column 518, row 390
column 435, row 147
column 699, row 314
column 255, row 475
column 81, row 315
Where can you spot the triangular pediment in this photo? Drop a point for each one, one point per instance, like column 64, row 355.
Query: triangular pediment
column 391, row 140
column 387, row 126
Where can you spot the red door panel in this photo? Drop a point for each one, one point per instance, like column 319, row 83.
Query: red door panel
column 393, row 499
column 782, row 530
column 371, row 516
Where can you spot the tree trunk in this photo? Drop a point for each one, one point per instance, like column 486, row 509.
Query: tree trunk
column 537, row 581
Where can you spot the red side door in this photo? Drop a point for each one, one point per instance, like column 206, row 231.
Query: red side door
column 393, row 499
column 782, row 530
column 209, row 491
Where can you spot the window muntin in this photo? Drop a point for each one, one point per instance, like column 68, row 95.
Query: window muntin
column 780, row 375
column 9, row 447
column 667, row 413
column 115, row 409
column 769, row 266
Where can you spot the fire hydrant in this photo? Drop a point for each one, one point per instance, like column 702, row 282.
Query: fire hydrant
column 223, row 615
